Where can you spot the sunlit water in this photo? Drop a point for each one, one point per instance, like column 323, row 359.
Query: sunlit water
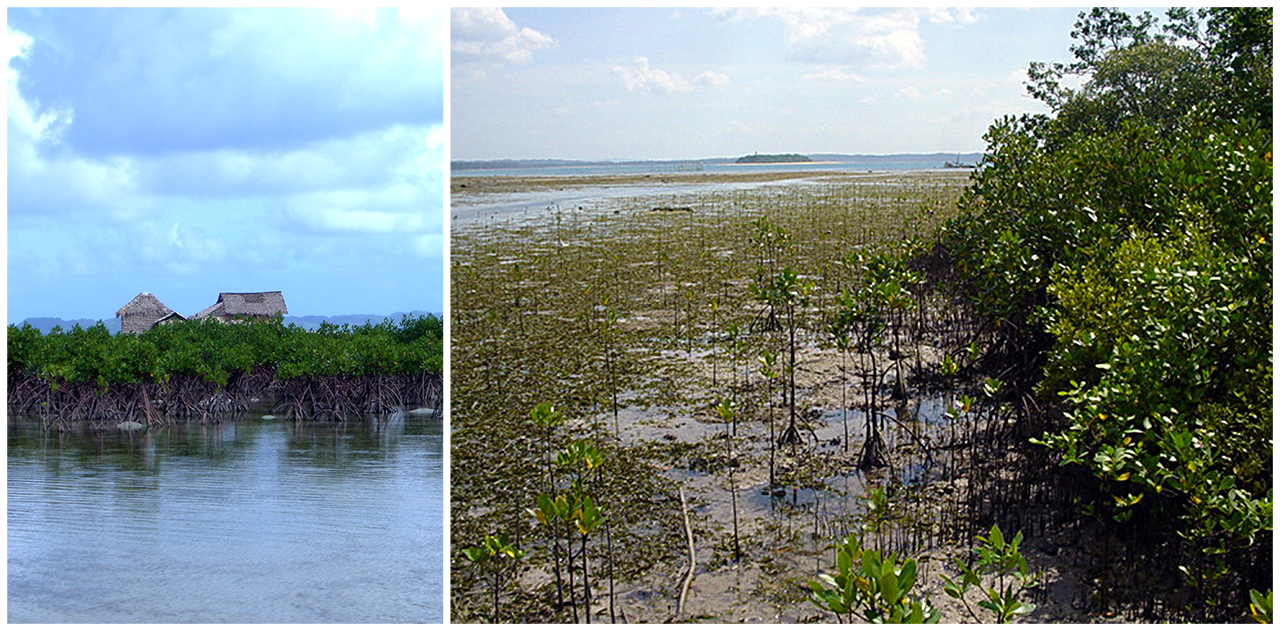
column 256, row 521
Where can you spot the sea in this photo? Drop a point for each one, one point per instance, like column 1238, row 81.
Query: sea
column 252, row 520
column 903, row 162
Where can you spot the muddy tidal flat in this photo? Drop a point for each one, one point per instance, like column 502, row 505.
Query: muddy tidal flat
column 716, row 399
column 471, row 185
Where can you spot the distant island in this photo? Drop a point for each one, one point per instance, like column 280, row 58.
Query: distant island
column 769, row 158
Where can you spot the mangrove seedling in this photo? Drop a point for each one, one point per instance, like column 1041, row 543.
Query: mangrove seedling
column 728, row 414
column 490, row 558
column 549, row 418
column 552, row 512
column 768, row 362
column 858, row 313
column 586, row 516
column 999, row 557
column 877, row 511
column 872, row 587
column 787, row 293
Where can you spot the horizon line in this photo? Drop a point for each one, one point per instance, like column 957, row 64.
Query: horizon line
column 710, row 158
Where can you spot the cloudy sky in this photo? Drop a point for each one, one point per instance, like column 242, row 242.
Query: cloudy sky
column 192, row 151
column 696, row 83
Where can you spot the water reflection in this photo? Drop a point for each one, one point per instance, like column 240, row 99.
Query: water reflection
column 248, row 521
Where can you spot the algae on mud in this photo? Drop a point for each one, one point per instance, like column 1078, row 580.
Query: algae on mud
column 637, row 324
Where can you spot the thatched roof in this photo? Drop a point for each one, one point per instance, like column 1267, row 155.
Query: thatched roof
column 264, row 304
column 144, row 304
column 175, row 316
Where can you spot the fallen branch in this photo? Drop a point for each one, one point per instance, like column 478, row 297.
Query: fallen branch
column 693, row 555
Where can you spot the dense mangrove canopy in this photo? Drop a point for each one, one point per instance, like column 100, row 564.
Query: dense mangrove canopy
column 214, row 351
column 210, row 358
column 1122, row 248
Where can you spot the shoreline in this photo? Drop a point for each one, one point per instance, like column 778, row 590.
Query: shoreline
column 485, row 184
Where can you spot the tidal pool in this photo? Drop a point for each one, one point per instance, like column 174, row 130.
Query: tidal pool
column 251, row 521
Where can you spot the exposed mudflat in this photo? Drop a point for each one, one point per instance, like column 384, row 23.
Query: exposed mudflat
column 643, row 296
column 463, row 184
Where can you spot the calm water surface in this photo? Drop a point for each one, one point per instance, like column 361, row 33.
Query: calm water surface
column 248, row 521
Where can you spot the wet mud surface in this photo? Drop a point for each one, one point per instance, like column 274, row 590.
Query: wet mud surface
column 636, row 317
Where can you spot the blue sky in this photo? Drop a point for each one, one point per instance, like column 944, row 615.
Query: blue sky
column 684, row 83
column 187, row 152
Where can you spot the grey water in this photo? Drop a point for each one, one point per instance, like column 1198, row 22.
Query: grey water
column 904, row 162
column 579, row 202
column 251, row 521
column 575, row 202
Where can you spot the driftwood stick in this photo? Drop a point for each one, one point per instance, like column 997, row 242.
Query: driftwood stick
column 693, row 555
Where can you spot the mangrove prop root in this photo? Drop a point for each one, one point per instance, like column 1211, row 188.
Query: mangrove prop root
column 339, row 397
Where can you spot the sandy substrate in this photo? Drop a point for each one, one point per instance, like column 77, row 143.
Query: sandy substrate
column 500, row 184
column 767, row 584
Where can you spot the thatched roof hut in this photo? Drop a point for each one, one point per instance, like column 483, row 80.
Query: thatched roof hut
column 142, row 313
column 233, row 306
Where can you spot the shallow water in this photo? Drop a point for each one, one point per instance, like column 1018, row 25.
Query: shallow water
column 253, row 521
column 570, row 204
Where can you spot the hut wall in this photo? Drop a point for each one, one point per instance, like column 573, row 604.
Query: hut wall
column 136, row 322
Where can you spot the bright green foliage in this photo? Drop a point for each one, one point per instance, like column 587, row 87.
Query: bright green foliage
column 1169, row 380
column 552, row 509
column 1000, row 558
column 587, row 516
column 215, row 351
column 494, row 547
column 580, row 456
column 547, row 415
column 1260, row 606
column 872, row 587
column 574, row 510
column 1122, row 247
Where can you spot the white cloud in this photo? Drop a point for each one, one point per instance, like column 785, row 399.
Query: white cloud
column 638, row 76
column 22, row 117
column 856, row 38
column 150, row 148
column 909, row 92
column 436, row 137
column 378, row 181
column 487, row 33
column 978, row 115
column 43, row 180
column 144, row 81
